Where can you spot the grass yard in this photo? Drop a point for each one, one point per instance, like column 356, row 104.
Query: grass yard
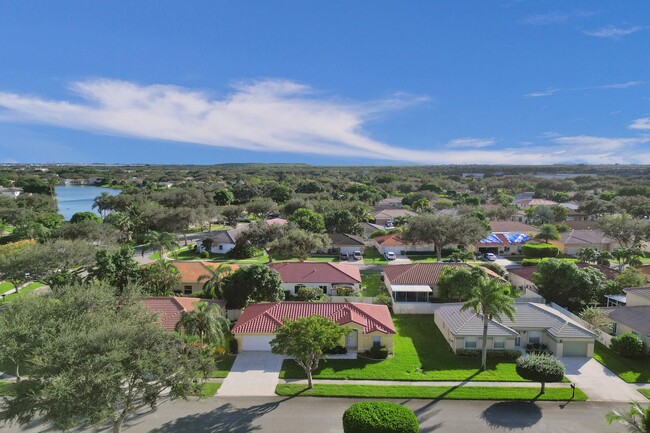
column 423, row 259
column 209, row 389
column 421, row 353
column 645, row 392
column 630, row 370
column 431, row 392
column 372, row 282
column 6, row 388
column 224, row 365
column 372, row 257
column 24, row 291
column 5, row 286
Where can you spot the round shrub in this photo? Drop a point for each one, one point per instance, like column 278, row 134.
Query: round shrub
column 540, row 367
column 628, row 346
column 379, row 417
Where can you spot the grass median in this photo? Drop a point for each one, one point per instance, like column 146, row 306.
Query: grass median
column 431, row 392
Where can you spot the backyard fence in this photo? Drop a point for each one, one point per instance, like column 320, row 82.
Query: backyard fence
column 233, row 314
column 359, row 299
column 414, row 308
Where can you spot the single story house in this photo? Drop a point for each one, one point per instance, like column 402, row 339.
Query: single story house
column 344, row 243
column 634, row 316
column 11, row 192
column 395, row 244
column 533, row 324
column 224, row 240
column 326, row 276
column 570, row 242
column 522, row 278
column 502, row 243
column 278, row 221
column 418, row 282
column 191, row 273
column 370, row 325
column 170, row 309
column 526, row 203
column 389, row 203
column 389, row 215
column 512, row 227
column 369, row 228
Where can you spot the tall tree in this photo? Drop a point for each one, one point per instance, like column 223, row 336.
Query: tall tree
column 490, row 300
column 455, row 282
column 627, row 256
column 255, row 283
column 568, row 285
column 159, row 241
column 443, row 230
column 297, row 243
column 342, row 221
column 309, row 220
column 207, row 321
column 159, row 278
column 629, row 232
column 116, row 267
column 306, row 340
column 102, row 203
column 548, row 232
column 213, row 281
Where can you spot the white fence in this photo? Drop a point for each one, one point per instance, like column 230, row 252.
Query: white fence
column 233, row 314
column 414, row 308
column 359, row 299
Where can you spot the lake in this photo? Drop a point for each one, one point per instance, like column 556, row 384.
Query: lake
column 78, row 198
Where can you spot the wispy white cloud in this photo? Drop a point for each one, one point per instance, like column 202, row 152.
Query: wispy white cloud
column 283, row 116
column 555, row 17
column 642, row 123
column 471, row 142
column 553, row 91
column 613, row 32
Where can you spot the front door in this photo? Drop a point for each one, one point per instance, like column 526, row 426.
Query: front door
column 518, row 341
column 351, row 339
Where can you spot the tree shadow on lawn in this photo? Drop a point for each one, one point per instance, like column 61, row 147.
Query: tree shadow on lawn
column 512, row 415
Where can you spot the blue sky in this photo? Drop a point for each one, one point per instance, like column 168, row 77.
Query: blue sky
column 325, row 82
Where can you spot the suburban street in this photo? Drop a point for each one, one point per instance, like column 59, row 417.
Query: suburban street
column 323, row 415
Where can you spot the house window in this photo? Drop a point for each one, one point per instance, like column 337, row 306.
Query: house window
column 220, row 247
column 187, row 290
column 376, row 340
column 287, row 294
column 534, row 337
column 324, row 289
column 499, row 343
column 470, row 342
column 506, row 249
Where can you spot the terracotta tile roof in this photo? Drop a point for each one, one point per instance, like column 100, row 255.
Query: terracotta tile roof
column 511, row 226
column 280, row 221
column 422, row 273
column 392, row 239
column 265, row 318
column 528, row 271
column 535, row 202
column 191, row 271
column 317, row 272
column 170, row 309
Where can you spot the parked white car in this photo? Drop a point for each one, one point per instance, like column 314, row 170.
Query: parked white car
column 390, row 255
column 357, row 255
column 489, row 257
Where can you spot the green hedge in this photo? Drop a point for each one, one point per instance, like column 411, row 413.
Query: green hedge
column 379, row 417
column 539, row 250
column 535, row 262
column 491, row 353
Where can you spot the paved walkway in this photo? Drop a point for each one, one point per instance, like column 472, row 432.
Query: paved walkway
column 252, row 374
column 599, row 383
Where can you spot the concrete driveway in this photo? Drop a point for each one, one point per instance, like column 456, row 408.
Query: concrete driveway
column 599, row 383
column 252, row 374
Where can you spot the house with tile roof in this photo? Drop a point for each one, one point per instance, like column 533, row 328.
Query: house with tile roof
column 323, row 275
column 634, row 316
column 502, row 243
column 170, row 309
column 395, row 244
column 534, row 324
column 418, row 282
column 522, row 278
column 191, row 273
column 570, row 242
column 530, row 202
column 370, row 325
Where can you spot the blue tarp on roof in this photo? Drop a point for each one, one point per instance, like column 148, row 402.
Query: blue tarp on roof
column 513, row 238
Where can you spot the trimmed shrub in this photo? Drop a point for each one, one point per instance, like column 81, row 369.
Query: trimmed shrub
column 309, row 293
column 535, row 262
column 233, row 346
column 338, row 350
column 540, row 368
column 377, row 352
column 379, row 417
column 539, row 250
column 204, row 254
column 345, row 291
column 628, row 346
column 491, row 353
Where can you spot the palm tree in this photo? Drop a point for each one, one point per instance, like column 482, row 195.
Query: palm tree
column 636, row 420
column 101, row 203
column 213, row 280
column 160, row 241
column 489, row 298
column 587, row 255
column 548, row 232
column 207, row 322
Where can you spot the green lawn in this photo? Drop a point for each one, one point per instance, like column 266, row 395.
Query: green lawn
column 22, row 292
column 209, row 389
column 431, row 392
column 372, row 257
column 421, row 353
column 630, row 370
column 5, row 287
column 224, row 365
column 645, row 392
column 423, row 259
column 6, row 388
column 372, row 282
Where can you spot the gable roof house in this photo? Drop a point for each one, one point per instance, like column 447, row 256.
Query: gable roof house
column 191, row 272
column 526, row 203
column 344, row 243
column 170, row 309
column 11, row 192
column 370, row 325
column 534, row 324
column 328, row 277
column 386, row 215
column 224, row 240
column 395, row 244
column 418, row 282
column 570, row 242
column 634, row 316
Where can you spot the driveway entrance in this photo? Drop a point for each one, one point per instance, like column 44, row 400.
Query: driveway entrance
column 252, row 374
column 599, row 383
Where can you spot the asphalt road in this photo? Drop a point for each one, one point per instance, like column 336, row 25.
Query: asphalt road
column 323, row 415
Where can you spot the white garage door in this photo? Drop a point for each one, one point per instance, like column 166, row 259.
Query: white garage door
column 256, row 342
column 574, row 348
